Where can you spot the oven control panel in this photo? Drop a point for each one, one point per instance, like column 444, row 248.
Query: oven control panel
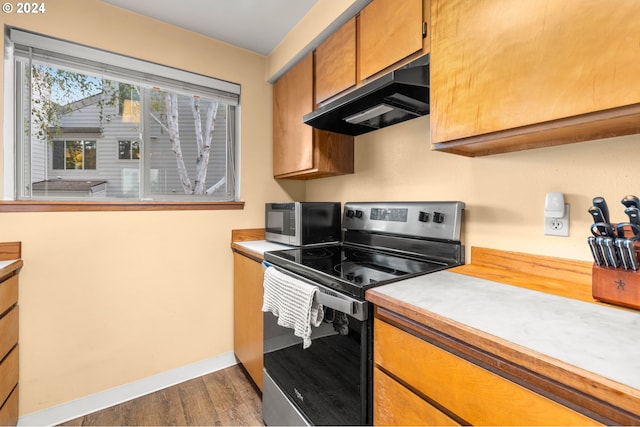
column 430, row 220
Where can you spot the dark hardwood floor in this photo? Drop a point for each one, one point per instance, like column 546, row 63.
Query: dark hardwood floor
column 226, row 397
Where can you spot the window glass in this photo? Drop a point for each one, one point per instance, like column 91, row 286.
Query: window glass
column 128, row 150
column 131, row 137
column 74, row 155
column 194, row 127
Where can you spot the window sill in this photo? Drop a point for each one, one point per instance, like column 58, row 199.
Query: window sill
column 82, row 206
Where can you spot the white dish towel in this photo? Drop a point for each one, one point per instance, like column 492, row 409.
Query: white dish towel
column 293, row 302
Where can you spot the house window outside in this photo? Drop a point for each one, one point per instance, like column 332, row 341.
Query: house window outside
column 74, row 155
column 128, row 102
column 128, row 150
column 181, row 135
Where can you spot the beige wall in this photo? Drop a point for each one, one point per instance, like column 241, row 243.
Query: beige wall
column 504, row 193
column 317, row 24
column 109, row 298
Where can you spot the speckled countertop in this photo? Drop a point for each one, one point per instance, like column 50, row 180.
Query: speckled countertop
column 597, row 338
column 262, row 246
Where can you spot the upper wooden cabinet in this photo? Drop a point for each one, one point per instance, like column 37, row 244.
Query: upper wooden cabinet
column 390, row 30
column 336, row 62
column 508, row 75
column 300, row 151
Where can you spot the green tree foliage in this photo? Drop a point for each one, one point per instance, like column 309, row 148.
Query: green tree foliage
column 55, row 92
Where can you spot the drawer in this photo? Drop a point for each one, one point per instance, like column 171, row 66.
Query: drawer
column 8, row 293
column 9, row 411
column 8, row 331
column 472, row 393
column 396, row 405
column 8, row 374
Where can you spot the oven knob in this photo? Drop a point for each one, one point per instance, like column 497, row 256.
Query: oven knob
column 359, row 214
column 423, row 217
column 350, row 213
column 438, row 217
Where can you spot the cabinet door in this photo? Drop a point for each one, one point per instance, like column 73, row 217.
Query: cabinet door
column 8, row 293
column 396, row 405
column 8, row 374
column 8, row 331
column 336, row 62
column 300, row 151
column 507, row 65
column 474, row 394
column 292, row 139
column 247, row 315
column 390, row 30
column 9, row 410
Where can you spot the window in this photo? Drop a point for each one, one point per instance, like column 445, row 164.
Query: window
column 128, row 102
column 74, row 155
column 128, row 150
column 132, row 129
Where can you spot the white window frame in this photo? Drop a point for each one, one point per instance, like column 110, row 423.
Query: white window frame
column 109, row 65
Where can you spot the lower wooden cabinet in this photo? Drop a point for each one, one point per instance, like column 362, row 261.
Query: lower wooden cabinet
column 9, row 411
column 419, row 383
column 396, row 405
column 9, row 350
column 8, row 385
column 247, row 314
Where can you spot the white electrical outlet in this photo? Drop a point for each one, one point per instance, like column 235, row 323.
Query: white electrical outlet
column 557, row 226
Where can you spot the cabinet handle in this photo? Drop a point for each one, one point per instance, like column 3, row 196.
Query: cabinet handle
column 424, row 29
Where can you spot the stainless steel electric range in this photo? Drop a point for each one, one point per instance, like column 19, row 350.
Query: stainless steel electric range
column 330, row 382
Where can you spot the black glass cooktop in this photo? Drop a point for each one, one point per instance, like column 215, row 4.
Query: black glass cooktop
column 351, row 269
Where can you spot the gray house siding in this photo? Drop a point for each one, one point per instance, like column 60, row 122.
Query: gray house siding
column 163, row 160
column 122, row 176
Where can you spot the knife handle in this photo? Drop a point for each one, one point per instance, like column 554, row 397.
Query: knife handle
column 631, row 201
column 602, row 229
column 603, row 251
column 634, row 215
column 611, row 252
column 635, row 230
column 601, row 203
column 623, row 253
column 597, row 256
column 596, row 214
column 633, row 256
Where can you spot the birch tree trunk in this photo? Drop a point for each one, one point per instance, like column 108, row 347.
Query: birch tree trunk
column 171, row 100
column 203, row 141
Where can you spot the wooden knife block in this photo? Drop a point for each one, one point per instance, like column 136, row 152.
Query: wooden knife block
column 616, row 286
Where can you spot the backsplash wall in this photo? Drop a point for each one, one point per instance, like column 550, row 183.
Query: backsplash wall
column 504, row 193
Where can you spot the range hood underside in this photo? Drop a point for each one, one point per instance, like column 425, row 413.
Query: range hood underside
column 396, row 97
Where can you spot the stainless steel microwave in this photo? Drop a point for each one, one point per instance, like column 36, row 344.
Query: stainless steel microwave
column 302, row 223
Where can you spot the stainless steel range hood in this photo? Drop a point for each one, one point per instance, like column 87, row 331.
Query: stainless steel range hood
column 401, row 95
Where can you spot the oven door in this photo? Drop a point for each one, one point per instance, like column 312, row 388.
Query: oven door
column 329, row 383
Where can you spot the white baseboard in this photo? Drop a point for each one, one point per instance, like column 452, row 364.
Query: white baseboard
column 113, row 396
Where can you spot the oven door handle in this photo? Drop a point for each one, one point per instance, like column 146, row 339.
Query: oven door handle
column 353, row 308
column 330, row 298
